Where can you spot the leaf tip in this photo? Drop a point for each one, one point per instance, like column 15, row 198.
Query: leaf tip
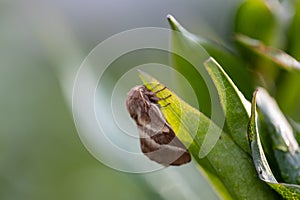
column 210, row 59
column 173, row 23
column 140, row 71
column 252, row 121
column 254, row 101
column 170, row 17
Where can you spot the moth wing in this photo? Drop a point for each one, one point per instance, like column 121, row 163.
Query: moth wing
column 163, row 147
column 157, row 120
column 164, row 134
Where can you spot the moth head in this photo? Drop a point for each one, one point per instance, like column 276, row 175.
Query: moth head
column 136, row 102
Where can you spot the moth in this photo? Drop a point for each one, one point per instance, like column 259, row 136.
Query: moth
column 157, row 138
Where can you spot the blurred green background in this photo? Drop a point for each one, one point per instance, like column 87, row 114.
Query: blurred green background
column 42, row 44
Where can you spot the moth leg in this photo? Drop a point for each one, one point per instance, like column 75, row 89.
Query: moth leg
column 164, row 98
column 163, row 106
column 160, row 90
column 157, row 99
column 154, row 98
column 153, row 86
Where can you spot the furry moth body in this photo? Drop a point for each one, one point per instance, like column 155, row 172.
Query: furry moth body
column 157, row 139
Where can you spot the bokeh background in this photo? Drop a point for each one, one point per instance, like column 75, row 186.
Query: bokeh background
column 42, row 45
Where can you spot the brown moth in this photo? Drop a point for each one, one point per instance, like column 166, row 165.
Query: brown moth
column 157, row 138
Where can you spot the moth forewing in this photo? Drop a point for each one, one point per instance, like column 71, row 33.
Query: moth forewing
column 157, row 120
column 157, row 138
column 163, row 147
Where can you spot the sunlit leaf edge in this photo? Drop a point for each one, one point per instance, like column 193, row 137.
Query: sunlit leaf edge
column 288, row 191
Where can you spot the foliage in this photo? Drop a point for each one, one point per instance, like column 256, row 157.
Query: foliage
column 244, row 143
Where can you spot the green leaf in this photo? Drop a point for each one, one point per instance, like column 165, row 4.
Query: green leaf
column 294, row 32
column 236, row 108
column 288, row 94
column 273, row 54
column 233, row 65
column 230, row 62
column 288, row 191
column 255, row 18
column 285, row 146
column 296, row 128
column 191, row 66
column 225, row 159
